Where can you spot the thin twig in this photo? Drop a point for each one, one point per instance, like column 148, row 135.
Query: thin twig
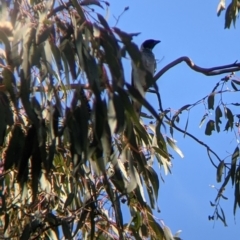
column 197, row 140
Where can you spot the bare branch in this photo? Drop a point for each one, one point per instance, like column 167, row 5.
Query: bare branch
column 234, row 67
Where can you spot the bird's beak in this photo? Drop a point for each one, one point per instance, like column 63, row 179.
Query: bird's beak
column 157, row 41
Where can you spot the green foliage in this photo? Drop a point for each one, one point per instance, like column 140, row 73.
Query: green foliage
column 231, row 13
column 74, row 152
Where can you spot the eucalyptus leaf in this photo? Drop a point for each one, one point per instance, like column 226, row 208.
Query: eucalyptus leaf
column 209, row 127
column 218, row 115
column 211, row 101
column 220, row 169
column 174, row 147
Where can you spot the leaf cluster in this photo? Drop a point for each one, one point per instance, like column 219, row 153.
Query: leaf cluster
column 231, row 13
column 74, row 152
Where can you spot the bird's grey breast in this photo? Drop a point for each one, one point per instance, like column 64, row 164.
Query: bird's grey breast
column 148, row 60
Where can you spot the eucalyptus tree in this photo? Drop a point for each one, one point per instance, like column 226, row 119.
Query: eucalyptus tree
column 75, row 154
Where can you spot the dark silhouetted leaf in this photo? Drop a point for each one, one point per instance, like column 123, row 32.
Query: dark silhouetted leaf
column 229, row 116
column 3, row 125
column 119, row 108
column 211, row 101
column 236, row 82
column 226, row 180
column 220, row 169
column 175, row 116
column 212, row 204
column 137, row 96
column 55, row 119
column 91, row 70
column 233, row 86
column 27, row 152
column 36, row 167
column 151, row 196
column 236, row 104
column 6, row 221
column 15, row 147
column 69, row 199
column 186, row 126
column 103, row 22
column 66, row 49
column 209, row 128
column 66, row 230
column 235, row 156
column 112, row 57
column 26, row 232
column 221, row 218
column 51, row 218
column 184, row 108
column 91, row 2
column 227, row 126
column 230, row 15
column 10, row 84
column 218, row 115
column 237, row 191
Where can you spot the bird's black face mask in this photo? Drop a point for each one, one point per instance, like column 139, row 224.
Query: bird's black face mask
column 149, row 44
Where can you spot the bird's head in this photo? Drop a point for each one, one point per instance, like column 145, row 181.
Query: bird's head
column 149, row 44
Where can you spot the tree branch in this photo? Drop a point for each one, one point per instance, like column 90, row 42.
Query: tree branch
column 234, row 67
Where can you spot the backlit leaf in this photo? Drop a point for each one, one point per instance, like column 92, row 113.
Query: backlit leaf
column 174, row 147
column 221, row 7
column 203, row 120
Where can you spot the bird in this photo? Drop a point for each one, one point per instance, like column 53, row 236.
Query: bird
column 139, row 74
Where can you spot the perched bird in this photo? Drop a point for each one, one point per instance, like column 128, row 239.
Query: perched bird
column 139, row 74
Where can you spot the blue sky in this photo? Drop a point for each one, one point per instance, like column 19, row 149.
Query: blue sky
column 188, row 28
